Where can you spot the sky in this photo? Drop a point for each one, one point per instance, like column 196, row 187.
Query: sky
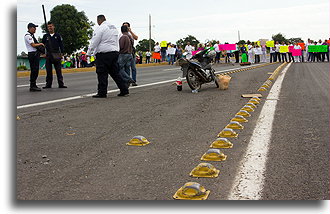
column 206, row 20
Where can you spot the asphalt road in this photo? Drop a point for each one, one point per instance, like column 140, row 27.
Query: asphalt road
column 76, row 150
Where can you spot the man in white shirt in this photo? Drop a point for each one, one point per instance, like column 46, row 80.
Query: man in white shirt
column 277, row 52
column 189, row 50
column 157, row 50
column 217, row 51
column 33, row 55
column 105, row 46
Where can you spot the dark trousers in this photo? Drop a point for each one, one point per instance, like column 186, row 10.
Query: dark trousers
column 107, row 63
column 236, row 56
column 272, row 57
column 277, row 56
column 283, row 55
column 50, row 61
column 257, row 58
column 34, row 59
column 290, row 57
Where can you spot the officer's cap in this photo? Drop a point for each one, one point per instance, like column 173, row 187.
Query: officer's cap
column 31, row 25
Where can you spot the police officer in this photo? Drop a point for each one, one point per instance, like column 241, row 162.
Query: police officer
column 54, row 50
column 105, row 46
column 34, row 50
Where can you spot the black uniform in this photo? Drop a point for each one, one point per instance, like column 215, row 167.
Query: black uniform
column 34, row 59
column 54, row 48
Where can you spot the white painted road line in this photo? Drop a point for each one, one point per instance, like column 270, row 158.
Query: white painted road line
column 249, row 181
column 111, row 91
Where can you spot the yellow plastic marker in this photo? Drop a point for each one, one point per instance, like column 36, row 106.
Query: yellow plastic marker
column 205, row 170
column 239, row 118
column 226, row 132
column 243, row 113
column 214, row 155
column 252, row 105
column 262, row 89
column 254, row 101
column 234, row 125
column 192, row 191
column 138, row 141
column 221, row 143
column 247, row 108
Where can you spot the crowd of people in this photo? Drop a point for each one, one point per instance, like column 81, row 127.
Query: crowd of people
column 114, row 54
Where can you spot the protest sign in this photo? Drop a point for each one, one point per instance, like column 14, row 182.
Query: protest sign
column 317, row 48
column 302, row 45
column 284, row 49
column 156, row 55
column 270, row 44
column 227, row 47
column 296, row 52
column 194, row 52
column 163, row 44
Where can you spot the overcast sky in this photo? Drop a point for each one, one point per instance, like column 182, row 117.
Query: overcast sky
column 206, row 19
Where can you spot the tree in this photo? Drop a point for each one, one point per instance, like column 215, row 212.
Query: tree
column 143, row 45
column 279, row 38
column 74, row 27
column 183, row 42
column 241, row 42
column 294, row 40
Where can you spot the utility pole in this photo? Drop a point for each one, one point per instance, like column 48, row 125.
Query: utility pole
column 239, row 37
column 149, row 32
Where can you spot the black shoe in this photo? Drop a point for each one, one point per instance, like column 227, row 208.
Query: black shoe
column 99, row 96
column 123, row 94
column 62, row 86
column 134, row 84
column 35, row 88
column 47, row 86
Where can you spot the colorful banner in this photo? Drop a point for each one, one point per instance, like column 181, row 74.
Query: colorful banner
column 263, row 41
column 284, row 49
column 317, row 48
column 194, row 52
column 156, row 55
column 296, row 52
column 290, row 48
column 270, row 44
column 227, row 47
column 163, row 44
column 302, row 45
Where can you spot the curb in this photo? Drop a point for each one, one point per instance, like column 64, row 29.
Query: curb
column 89, row 69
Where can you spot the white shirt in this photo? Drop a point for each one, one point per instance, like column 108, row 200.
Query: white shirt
column 171, row 51
column 277, row 47
column 250, row 49
column 28, row 41
column 157, row 48
column 216, row 48
column 258, row 51
column 105, row 39
column 189, row 49
column 296, row 47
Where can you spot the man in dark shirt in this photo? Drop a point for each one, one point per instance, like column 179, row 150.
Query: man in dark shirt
column 125, row 54
column 54, row 50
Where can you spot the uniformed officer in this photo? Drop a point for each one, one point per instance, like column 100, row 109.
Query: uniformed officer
column 105, row 46
column 33, row 55
column 54, row 50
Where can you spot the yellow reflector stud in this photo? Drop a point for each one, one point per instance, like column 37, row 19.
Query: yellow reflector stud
column 227, row 132
column 221, row 143
column 262, row 89
column 214, row 155
column 239, row 118
column 256, row 98
column 205, row 170
column 251, row 105
column 247, row 108
column 138, row 141
column 265, row 85
column 254, row 101
column 191, row 191
column 234, row 125
column 243, row 113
